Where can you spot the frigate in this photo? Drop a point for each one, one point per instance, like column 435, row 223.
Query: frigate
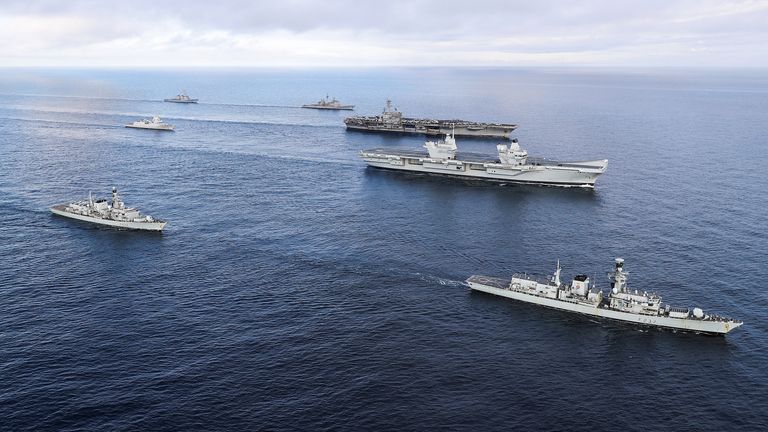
column 621, row 304
column 182, row 98
column 329, row 104
column 392, row 121
column 116, row 214
column 513, row 164
column 155, row 123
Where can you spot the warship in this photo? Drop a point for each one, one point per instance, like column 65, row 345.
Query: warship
column 622, row 304
column 391, row 120
column 154, row 123
column 512, row 166
column 116, row 214
column 182, row 98
column 329, row 104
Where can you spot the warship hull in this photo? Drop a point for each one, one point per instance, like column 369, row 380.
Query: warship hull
column 434, row 127
column 185, row 101
column 500, row 287
column 143, row 226
column 166, row 128
column 478, row 167
column 330, row 108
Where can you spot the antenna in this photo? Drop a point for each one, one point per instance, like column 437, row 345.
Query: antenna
column 556, row 277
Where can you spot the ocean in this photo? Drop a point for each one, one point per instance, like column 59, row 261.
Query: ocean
column 296, row 289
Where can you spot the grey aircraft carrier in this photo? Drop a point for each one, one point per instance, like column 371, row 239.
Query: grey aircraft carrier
column 391, row 120
column 513, row 165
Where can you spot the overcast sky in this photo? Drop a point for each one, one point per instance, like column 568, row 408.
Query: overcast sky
column 651, row 33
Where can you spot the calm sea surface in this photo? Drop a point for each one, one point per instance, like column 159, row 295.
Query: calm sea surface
column 294, row 288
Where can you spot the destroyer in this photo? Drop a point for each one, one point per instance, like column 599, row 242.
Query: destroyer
column 621, row 304
column 512, row 166
column 154, row 123
column 115, row 215
column 329, row 104
column 392, row 120
column 181, row 98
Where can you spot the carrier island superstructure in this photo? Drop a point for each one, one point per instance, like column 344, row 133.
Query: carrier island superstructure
column 512, row 166
column 621, row 304
column 391, row 120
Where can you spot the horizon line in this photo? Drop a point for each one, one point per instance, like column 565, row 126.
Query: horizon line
column 405, row 66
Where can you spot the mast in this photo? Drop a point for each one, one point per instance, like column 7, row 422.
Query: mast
column 618, row 277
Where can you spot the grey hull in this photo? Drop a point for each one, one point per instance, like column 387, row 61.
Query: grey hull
column 477, row 167
column 459, row 132
column 139, row 226
column 498, row 287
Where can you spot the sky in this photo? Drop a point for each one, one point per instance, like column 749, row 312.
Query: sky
column 359, row 33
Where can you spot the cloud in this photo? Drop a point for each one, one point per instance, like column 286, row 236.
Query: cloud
column 350, row 33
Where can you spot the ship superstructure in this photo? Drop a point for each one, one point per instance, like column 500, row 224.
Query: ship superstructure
column 391, row 120
column 114, row 214
column 329, row 104
column 621, row 304
column 513, row 164
column 155, row 123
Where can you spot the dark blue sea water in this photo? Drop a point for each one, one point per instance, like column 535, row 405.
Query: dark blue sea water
column 295, row 289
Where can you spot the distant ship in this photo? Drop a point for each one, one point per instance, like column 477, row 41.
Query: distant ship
column 181, row 98
column 329, row 104
column 391, row 120
column 155, row 124
column 512, row 166
column 116, row 215
column 622, row 304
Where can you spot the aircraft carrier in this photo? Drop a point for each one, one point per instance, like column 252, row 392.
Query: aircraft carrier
column 511, row 166
column 391, row 120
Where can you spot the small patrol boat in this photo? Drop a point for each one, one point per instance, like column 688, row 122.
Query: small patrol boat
column 621, row 304
column 116, row 214
column 155, row 123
